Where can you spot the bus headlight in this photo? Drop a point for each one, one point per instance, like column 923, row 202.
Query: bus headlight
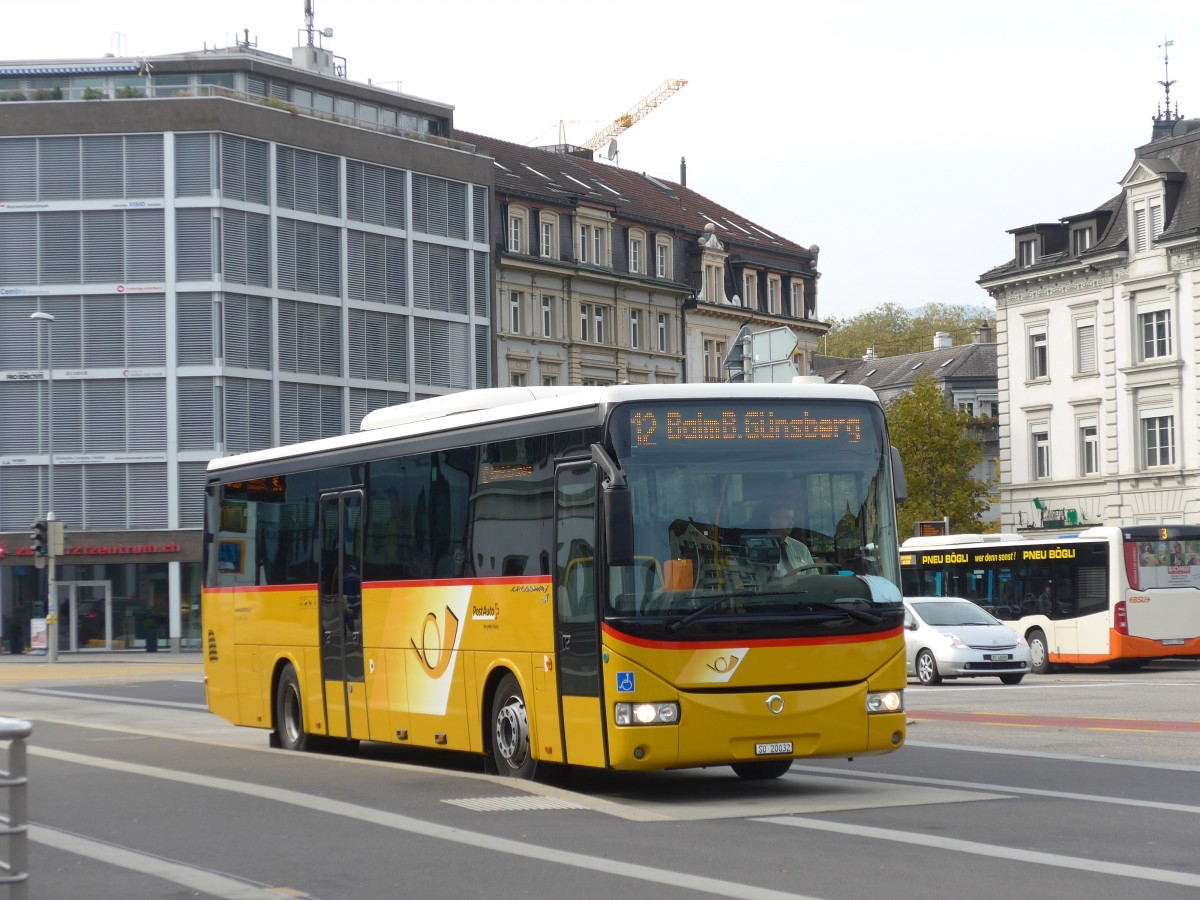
column 646, row 713
column 885, row 701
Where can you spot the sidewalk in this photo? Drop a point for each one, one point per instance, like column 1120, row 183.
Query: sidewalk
column 92, row 665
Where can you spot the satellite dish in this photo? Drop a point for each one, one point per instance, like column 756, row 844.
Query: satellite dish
column 611, row 152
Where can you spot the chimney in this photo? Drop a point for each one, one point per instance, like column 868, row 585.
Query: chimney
column 984, row 334
column 870, row 354
column 942, row 341
column 683, row 170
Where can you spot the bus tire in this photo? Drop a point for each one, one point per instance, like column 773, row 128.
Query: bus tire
column 289, row 731
column 512, row 749
column 1039, row 652
column 926, row 667
column 762, row 769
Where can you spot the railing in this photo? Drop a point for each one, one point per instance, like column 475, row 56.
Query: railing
column 15, row 825
column 158, row 92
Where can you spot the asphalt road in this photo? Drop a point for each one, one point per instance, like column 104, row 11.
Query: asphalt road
column 1073, row 785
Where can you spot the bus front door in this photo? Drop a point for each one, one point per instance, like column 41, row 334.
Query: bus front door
column 576, row 616
column 341, row 615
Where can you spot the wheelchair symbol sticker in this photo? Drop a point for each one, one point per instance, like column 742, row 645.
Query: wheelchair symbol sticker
column 624, row 682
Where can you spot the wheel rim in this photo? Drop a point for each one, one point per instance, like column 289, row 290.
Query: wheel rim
column 1037, row 654
column 512, row 732
column 290, row 715
column 925, row 668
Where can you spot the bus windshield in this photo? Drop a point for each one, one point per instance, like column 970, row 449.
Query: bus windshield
column 743, row 508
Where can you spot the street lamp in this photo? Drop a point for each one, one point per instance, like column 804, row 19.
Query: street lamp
column 39, row 318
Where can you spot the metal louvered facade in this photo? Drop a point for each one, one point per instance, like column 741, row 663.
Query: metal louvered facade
column 260, row 280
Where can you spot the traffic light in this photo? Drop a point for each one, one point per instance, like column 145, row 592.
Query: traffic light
column 40, row 538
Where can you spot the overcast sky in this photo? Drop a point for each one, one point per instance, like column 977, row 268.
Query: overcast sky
column 904, row 139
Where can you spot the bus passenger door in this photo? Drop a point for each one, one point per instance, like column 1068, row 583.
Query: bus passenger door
column 576, row 615
column 341, row 614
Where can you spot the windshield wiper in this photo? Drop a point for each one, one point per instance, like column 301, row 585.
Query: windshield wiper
column 680, row 624
column 861, row 615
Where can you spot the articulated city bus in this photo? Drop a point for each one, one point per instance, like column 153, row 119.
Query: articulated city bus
column 1120, row 596
column 581, row 576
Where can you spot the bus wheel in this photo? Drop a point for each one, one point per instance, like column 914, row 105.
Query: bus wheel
column 762, row 770
column 289, row 713
column 1039, row 655
column 510, row 731
column 927, row 672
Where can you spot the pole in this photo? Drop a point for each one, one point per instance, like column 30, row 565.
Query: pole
column 51, row 561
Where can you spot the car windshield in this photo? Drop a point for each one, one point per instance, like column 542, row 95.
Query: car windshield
column 961, row 613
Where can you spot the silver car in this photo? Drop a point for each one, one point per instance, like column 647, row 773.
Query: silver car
column 949, row 637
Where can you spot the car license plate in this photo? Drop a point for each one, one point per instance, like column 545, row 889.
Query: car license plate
column 998, row 657
column 773, row 749
column 1173, row 642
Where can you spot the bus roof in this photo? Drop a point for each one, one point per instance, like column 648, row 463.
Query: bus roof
column 956, row 540
column 495, row 405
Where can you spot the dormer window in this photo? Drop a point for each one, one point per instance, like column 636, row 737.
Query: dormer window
column 1081, row 240
column 1147, row 223
column 1027, row 252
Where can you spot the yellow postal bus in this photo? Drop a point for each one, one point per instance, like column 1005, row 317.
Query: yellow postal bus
column 582, row 576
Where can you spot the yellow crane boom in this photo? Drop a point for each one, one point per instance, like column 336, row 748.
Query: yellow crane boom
column 623, row 121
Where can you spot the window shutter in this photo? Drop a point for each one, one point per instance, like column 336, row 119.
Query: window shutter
column 58, row 168
column 197, row 429
column 19, row 238
column 103, row 167
column 146, row 331
column 146, row 398
column 1087, row 348
column 482, row 288
column 18, row 169
column 193, row 166
column 145, row 249
column 192, row 479
column 103, row 246
column 193, row 245
column 194, row 335
column 59, row 250
column 144, row 165
column 479, row 213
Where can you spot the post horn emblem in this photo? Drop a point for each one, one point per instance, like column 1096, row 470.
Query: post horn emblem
column 775, row 704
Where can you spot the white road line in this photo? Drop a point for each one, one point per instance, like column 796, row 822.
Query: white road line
column 1065, row 757
column 1100, row 866
column 190, row 877
column 476, row 840
column 109, row 698
column 1008, row 789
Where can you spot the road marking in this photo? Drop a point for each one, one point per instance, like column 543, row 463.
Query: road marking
column 190, row 877
column 397, row 822
column 1094, row 866
column 109, row 698
column 1088, row 723
column 1008, row 789
column 1068, row 757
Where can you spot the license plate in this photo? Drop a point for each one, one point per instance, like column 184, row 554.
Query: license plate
column 1174, row 642
column 997, row 657
column 773, row 749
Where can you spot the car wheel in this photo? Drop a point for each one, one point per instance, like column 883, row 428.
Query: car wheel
column 1039, row 654
column 927, row 671
column 1011, row 679
column 511, row 750
column 289, row 713
column 762, row 770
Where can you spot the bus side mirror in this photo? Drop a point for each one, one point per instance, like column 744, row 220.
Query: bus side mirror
column 618, row 525
column 899, row 485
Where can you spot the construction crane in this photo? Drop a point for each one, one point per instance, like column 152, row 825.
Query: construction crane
column 624, row 121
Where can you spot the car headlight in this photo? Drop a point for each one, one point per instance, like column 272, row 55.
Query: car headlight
column 1021, row 642
column 954, row 641
column 646, row 713
column 885, row 701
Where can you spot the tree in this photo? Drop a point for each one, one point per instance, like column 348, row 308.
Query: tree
column 894, row 330
column 938, row 449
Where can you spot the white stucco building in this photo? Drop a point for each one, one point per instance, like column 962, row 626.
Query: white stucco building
column 1098, row 316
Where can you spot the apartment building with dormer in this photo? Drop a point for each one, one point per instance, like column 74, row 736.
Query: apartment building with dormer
column 1098, row 321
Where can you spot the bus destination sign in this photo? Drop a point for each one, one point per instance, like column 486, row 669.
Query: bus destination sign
column 664, row 426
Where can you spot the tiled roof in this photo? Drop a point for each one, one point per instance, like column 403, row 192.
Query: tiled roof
column 898, row 372
column 565, row 179
column 1178, row 159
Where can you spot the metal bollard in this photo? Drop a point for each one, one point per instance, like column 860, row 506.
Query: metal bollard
column 15, row 825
